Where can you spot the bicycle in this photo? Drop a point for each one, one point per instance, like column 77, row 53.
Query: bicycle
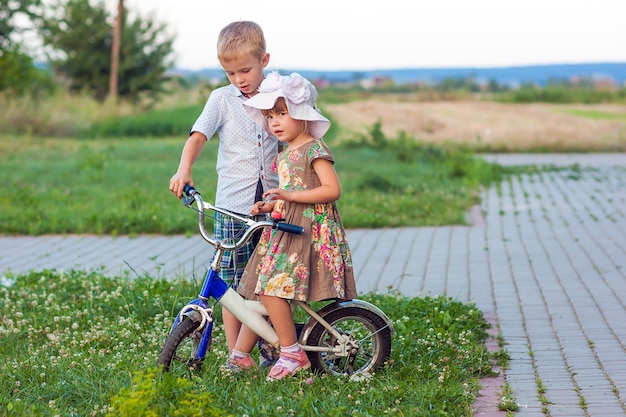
column 343, row 337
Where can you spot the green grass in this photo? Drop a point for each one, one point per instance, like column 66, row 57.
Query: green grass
column 156, row 123
column 80, row 344
column 77, row 343
column 596, row 114
column 120, row 186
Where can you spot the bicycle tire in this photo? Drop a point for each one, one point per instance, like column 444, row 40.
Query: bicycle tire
column 365, row 326
column 181, row 346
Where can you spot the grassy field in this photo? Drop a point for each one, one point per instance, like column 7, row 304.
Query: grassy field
column 489, row 126
column 120, row 186
column 79, row 344
column 478, row 122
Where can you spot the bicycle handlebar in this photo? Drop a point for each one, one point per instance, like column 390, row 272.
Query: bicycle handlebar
column 191, row 195
column 289, row 228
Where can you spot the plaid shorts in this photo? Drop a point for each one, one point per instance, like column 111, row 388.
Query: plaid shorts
column 233, row 264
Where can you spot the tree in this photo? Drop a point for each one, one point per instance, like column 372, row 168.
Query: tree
column 81, row 37
column 115, row 50
column 17, row 70
column 9, row 11
column 145, row 56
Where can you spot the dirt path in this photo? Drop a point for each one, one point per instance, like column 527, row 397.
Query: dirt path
column 517, row 127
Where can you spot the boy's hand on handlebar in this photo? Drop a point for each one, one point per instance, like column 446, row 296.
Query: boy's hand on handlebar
column 178, row 182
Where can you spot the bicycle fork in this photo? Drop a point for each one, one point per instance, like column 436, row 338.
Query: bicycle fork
column 250, row 313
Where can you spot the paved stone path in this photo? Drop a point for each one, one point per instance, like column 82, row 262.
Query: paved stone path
column 547, row 260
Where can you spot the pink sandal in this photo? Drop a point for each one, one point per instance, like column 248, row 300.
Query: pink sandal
column 236, row 365
column 285, row 365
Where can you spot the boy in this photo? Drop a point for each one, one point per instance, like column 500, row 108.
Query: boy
column 246, row 151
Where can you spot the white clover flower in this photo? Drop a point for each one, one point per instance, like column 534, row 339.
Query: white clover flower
column 6, row 282
column 363, row 376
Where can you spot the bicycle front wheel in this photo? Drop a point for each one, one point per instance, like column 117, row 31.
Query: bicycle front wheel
column 365, row 328
column 180, row 348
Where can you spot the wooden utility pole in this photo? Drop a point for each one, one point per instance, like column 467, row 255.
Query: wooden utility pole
column 115, row 51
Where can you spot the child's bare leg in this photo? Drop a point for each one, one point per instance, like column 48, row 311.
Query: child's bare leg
column 281, row 315
column 232, row 327
column 239, row 359
column 292, row 358
column 246, row 340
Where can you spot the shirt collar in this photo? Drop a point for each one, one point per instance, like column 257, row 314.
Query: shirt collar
column 234, row 91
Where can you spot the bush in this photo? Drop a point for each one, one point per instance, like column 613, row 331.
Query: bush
column 562, row 95
column 20, row 76
column 153, row 393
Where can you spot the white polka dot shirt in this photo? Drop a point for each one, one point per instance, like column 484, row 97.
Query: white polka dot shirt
column 245, row 153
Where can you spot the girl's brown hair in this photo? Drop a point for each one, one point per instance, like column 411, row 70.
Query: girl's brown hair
column 279, row 107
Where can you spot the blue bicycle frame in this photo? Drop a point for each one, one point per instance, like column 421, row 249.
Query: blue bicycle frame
column 250, row 313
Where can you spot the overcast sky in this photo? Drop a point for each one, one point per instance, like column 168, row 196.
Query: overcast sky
column 365, row 35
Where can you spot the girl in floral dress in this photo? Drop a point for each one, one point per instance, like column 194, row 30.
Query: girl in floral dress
column 313, row 266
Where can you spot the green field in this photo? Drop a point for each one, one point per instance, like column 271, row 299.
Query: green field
column 78, row 344
column 120, row 186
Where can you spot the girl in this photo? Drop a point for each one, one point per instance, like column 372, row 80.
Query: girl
column 313, row 266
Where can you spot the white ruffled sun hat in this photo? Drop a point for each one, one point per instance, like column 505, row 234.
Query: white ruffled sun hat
column 300, row 96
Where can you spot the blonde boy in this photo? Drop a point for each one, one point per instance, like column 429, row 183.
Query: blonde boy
column 245, row 153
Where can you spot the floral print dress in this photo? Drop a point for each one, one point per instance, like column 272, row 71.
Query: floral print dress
column 314, row 266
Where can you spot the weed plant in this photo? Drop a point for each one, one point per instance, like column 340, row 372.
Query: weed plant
column 77, row 343
column 64, row 114
column 120, row 186
column 57, row 115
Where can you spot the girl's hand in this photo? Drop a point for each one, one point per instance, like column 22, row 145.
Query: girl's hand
column 278, row 194
column 261, row 207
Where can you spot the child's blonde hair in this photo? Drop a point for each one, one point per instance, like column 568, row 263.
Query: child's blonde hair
column 239, row 39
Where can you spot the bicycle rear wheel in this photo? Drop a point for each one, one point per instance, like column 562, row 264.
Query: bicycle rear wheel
column 180, row 348
column 370, row 332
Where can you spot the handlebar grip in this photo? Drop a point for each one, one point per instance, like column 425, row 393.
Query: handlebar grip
column 290, row 228
column 189, row 190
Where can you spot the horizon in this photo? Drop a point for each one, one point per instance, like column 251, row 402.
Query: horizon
column 514, row 76
column 430, row 68
column 355, row 36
